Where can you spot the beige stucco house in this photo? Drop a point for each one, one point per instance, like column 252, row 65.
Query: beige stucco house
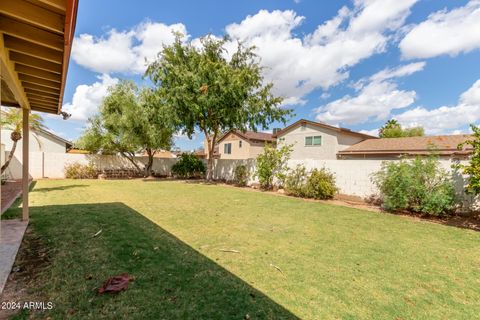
column 317, row 141
column 237, row 144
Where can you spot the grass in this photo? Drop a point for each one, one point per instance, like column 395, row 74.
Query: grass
column 335, row 262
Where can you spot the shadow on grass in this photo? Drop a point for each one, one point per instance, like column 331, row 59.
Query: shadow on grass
column 172, row 280
column 60, row 188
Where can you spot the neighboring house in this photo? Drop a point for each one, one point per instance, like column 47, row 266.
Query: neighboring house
column 206, row 145
column 237, row 144
column 317, row 141
column 200, row 154
column 393, row 148
column 40, row 141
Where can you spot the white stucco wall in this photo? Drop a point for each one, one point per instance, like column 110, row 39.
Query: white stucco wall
column 353, row 177
column 332, row 142
column 39, row 142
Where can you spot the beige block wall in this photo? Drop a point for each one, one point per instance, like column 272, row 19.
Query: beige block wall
column 332, row 142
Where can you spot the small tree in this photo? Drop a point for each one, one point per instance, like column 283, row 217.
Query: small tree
column 271, row 164
column 130, row 121
column 208, row 91
column 472, row 169
column 393, row 129
column 12, row 119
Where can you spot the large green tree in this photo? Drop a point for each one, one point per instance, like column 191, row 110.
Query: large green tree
column 210, row 90
column 12, row 119
column 393, row 129
column 131, row 120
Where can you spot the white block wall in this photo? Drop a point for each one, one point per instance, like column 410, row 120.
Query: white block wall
column 353, row 177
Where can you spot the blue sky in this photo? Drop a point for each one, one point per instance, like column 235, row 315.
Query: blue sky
column 353, row 63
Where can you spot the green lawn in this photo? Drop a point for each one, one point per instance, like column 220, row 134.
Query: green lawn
column 335, row 262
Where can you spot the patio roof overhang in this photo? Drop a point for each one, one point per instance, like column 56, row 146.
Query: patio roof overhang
column 35, row 43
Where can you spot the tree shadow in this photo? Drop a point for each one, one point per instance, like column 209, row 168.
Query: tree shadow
column 172, row 279
column 60, row 188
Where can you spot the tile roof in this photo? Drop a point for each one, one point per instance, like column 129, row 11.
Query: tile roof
column 251, row 135
column 444, row 145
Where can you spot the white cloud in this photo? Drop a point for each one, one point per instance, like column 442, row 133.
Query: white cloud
column 446, row 119
column 374, row 101
column 372, row 132
column 444, row 33
column 298, row 65
column 87, row 98
column 124, row 51
column 398, row 72
column 472, row 95
column 376, row 97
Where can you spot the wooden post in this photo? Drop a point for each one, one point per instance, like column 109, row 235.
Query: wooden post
column 25, row 174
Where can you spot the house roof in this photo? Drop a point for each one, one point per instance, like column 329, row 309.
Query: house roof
column 35, row 44
column 443, row 145
column 322, row 125
column 78, row 151
column 250, row 136
column 48, row 133
column 162, row 154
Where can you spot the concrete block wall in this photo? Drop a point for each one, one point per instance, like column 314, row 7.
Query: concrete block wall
column 353, row 177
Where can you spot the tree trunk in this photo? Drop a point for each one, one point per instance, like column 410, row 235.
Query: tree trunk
column 211, row 151
column 131, row 159
column 210, row 167
column 10, row 155
column 149, row 165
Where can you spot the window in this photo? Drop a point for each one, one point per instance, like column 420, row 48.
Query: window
column 313, row 141
column 227, row 148
column 281, row 139
column 240, row 143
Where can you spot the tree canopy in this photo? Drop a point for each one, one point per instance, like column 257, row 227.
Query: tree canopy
column 208, row 89
column 393, row 129
column 131, row 120
column 12, row 119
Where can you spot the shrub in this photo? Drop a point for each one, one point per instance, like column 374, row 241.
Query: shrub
column 472, row 169
column 295, row 181
column 418, row 185
column 241, row 175
column 272, row 163
column 188, row 166
column 80, row 171
column 320, row 185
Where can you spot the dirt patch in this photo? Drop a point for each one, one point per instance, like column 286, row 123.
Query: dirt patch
column 32, row 259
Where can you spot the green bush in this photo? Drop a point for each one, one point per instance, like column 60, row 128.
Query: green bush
column 80, row 171
column 295, row 181
column 188, row 166
column 271, row 164
column 418, row 185
column 320, row 185
column 241, row 175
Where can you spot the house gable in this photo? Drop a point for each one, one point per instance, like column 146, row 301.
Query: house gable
column 312, row 141
column 232, row 146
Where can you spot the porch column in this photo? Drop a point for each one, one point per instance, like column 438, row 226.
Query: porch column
column 25, row 175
